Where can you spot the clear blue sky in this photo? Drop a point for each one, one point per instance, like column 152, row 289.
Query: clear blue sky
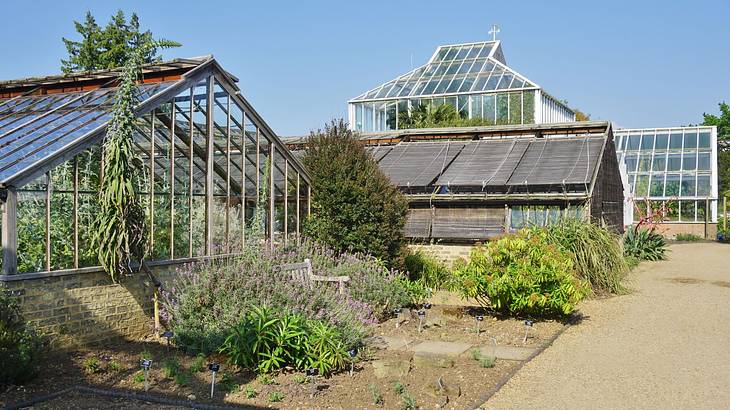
column 637, row 63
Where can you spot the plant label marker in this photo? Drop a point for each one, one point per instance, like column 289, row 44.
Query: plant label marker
column 427, row 306
column 312, row 376
column 352, row 354
column 397, row 317
column 146, row 364
column 421, row 316
column 494, row 347
column 479, row 319
column 213, row 367
column 528, row 325
column 168, row 335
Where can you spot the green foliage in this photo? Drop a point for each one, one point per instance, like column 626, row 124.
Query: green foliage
column 722, row 122
column 145, row 355
column 108, row 47
column 417, row 290
column 115, row 366
column 266, row 380
column 428, row 270
column 119, row 227
column 597, row 254
column 266, row 341
column 398, row 387
column 170, row 368
column 276, row 396
column 521, row 274
column 721, row 228
column 20, row 347
column 182, row 378
column 409, row 402
column 299, row 379
column 437, row 116
column 687, row 237
column 138, row 377
column 376, row 395
column 644, row 244
column 198, row 364
column 207, row 298
column 92, row 365
column 250, row 392
column 356, row 207
column 486, row 362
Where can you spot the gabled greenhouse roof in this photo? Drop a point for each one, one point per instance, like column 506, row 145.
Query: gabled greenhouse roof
column 45, row 121
column 454, row 69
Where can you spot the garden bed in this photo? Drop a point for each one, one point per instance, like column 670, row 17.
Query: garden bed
column 463, row 378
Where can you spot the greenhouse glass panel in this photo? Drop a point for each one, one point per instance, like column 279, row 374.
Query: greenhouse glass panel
column 657, row 185
column 475, row 102
column 633, row 143
column 631, row 162
column 705, row 140
column 31, row 226
column 528, row 104
column 675, row 141
column 515, row 108
column 689, row 161
column 672, row 211
column 672, row 185
column 647, row 142
column 690, row 140
column 674, row 162
column 659, row 163
column 645, row 160
column 489, row 108
column 689, row 186
column 662, row 141
column 701, row 207
column 687, row 211
column 641, row 189
column 704, row 161
column 502, row 109
column 704, row 185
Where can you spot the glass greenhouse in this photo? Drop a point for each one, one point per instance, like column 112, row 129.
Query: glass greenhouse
column 210, row 161
column 678, row 165
column 474, row 78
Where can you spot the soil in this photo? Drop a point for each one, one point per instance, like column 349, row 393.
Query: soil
column 465, row 382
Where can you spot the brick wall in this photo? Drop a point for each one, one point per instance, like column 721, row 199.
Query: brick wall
column 86, row 308
column 670, row 230
column 448, row 253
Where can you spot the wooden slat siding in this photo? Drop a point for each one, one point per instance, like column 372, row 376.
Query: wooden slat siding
column 607, row 200
column 418, row 223
column 467, row 223
column 489, row 162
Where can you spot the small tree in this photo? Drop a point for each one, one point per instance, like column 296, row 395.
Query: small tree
column 354, row 204
column 109, row 47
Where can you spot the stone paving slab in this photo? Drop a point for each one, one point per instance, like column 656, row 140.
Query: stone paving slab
column 390, row 343
column 508, row 352
column 436, row 348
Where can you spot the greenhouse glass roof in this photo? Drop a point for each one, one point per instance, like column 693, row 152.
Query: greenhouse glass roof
column 454, row 69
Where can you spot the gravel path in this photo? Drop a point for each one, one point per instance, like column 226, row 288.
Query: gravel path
column 665, row 346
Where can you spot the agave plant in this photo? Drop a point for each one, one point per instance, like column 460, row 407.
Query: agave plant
column 645, row 244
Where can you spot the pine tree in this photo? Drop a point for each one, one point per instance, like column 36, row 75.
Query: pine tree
column 109, row 47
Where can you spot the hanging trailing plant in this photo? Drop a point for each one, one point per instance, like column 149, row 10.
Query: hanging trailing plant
column 120, row 225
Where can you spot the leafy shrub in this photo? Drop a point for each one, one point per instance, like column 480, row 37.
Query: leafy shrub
column 645, row 245
column 428, row 270
column 597, row 254
column 721, row 231
column 20, row 347
column 198, row 364
column 357, row 207
column 92, row 365
column 376, row 394
column 266, row 341
column 170, row 368
column 687, row 237
column 206, row 299
column 182, row 378
column 115, row 366
column 250, row 392
column 276, row 396
column 522, row 274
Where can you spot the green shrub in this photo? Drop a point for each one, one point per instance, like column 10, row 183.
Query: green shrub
column 115, row 366
column 644, row 244
column 721, row 232
column 356, row 206
column 597, row 254
column 92, row 365
column 276, row 396
column 250, row 392
column 376, row 395
column 398, row 388
column 182, row 378
column 20, row 347
column 428, row 270
column 687, row 237
column 521, row 274
column 138, row 377
column 266, row 341
column 170, row 368
column 198, row 364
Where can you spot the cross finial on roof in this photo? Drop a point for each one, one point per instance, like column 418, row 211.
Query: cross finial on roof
column 494, row 31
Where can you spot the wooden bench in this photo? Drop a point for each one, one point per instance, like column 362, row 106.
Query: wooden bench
column 302, row 272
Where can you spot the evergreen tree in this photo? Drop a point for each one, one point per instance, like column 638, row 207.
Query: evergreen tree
column 355, row 206
column 722, row 122
column 109, row 47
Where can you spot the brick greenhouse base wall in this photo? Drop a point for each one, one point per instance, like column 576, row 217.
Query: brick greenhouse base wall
column 447, row 253
column 670, row 230
column 87, row 308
